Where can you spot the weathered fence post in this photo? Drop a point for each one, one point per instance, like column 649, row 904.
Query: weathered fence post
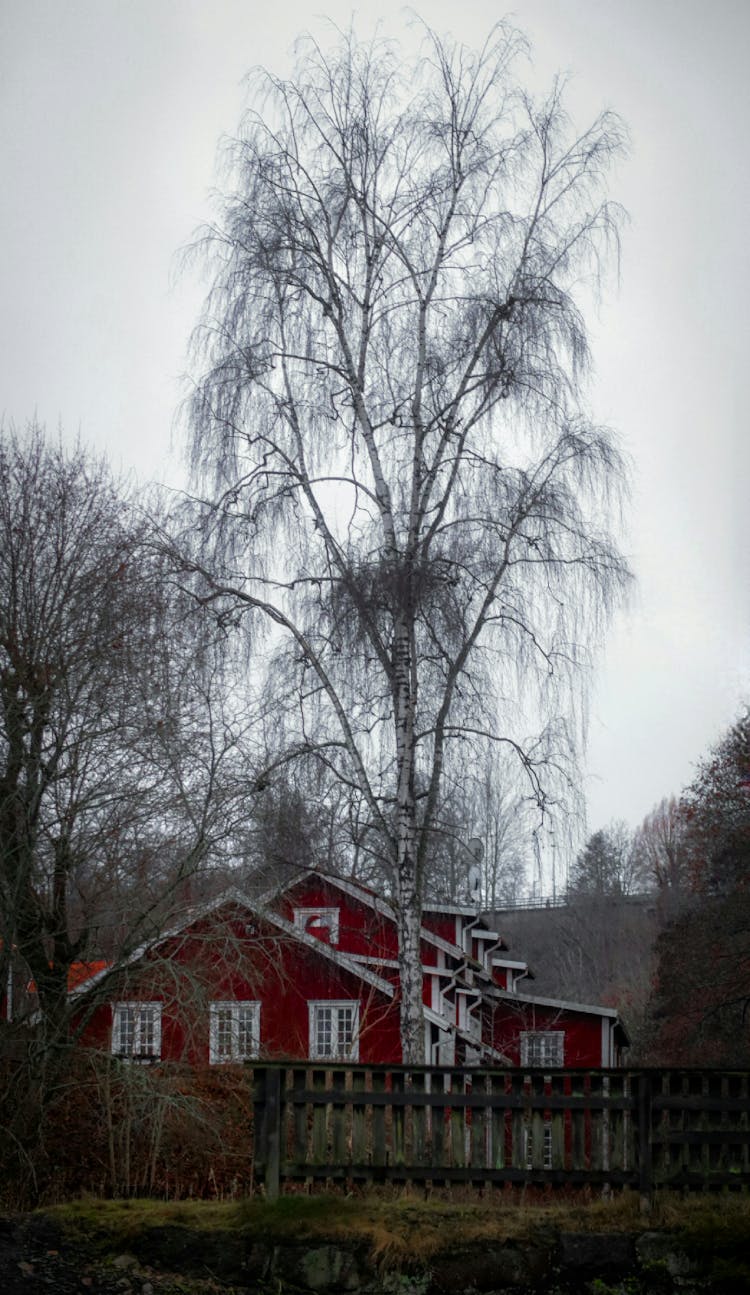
column 273, row 1132
column 645, row 1183
column 259, row 1119
column 267, row 1120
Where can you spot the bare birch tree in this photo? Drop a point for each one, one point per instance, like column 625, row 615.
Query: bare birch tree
column 402, row 479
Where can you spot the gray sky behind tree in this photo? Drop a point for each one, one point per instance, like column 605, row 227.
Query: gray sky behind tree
column 110, row 115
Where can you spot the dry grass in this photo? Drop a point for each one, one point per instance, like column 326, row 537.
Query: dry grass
column 404, row 1227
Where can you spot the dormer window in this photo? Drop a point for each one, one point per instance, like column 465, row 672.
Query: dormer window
column 323, row 923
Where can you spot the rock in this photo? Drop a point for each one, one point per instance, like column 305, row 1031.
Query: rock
column 318, row 1268
column 124, row 1261
column 488, row 1268
column 659, row 1250
column 596, row 1254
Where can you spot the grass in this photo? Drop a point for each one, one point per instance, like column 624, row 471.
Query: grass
column 405, row 1227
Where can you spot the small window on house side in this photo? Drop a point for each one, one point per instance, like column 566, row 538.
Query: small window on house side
column 323, row 923
column 334, row 1031
column 136, row 1031
column 542, row 1047
column 234, row 1032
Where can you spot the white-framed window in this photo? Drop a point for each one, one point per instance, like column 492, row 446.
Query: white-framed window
column 334, row 1030
column 320, row 922
column 136, row 1030
column 528, row 1145
column 542, row 1047
column 234, row 1031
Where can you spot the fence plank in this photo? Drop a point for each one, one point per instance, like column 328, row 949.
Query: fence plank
column 578, row 1121
column 438, row 1084
column 273, row 1133
column 457, row 1122
column 645, row 1179
column 557, row 1124
column 339, row 1130
column 360, row 1153
column 419, row 1152
column 319, row 1149
column 299, row 1117
column 497, row 1088
column 398, row 1119
column 378, row 1120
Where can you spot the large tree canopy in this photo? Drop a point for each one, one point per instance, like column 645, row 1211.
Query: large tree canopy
column 403, row 479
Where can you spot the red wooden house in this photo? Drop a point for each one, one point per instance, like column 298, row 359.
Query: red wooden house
column 312, row 973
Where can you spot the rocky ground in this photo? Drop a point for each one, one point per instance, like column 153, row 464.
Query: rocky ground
column 39, row 1257
column 36, row 1260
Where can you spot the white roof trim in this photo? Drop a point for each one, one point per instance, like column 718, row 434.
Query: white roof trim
column 193, row 914
column 375, row 902
column 455, row 910
column 273, row 892
column 235, row 896
column 375, row 961
column 563, row 1003
column 319, row 946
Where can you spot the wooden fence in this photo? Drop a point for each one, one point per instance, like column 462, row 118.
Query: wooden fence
column 429, row 1125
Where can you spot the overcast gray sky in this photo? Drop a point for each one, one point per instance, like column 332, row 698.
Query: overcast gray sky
column 110, row 115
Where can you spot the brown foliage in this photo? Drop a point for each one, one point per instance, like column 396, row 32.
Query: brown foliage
column 111, row 1128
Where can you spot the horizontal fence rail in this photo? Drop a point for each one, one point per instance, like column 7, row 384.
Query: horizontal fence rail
column 429, row 1125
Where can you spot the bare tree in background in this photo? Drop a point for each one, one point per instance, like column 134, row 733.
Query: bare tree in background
column 118, row 760
column 403, row 481
column 661, row 846
column 70, row 629
column 484, row 828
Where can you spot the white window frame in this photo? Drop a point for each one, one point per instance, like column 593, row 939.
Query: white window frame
column 234, row 1007
column 140, row 1028
column 528, row 1145
column 327, row 917
column 549, row 1043
column 336, row 1006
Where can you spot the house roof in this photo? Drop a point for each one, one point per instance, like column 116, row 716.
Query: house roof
column 236, row 897
column 563, row 1003
column 78, row 973
column 379, row 905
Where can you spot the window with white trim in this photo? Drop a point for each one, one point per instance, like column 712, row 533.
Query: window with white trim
column 234, row 1031
column 136, row 1030
column 320, row 922
column 334, row 1031
column 528, row 1145
column 542, row 1047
